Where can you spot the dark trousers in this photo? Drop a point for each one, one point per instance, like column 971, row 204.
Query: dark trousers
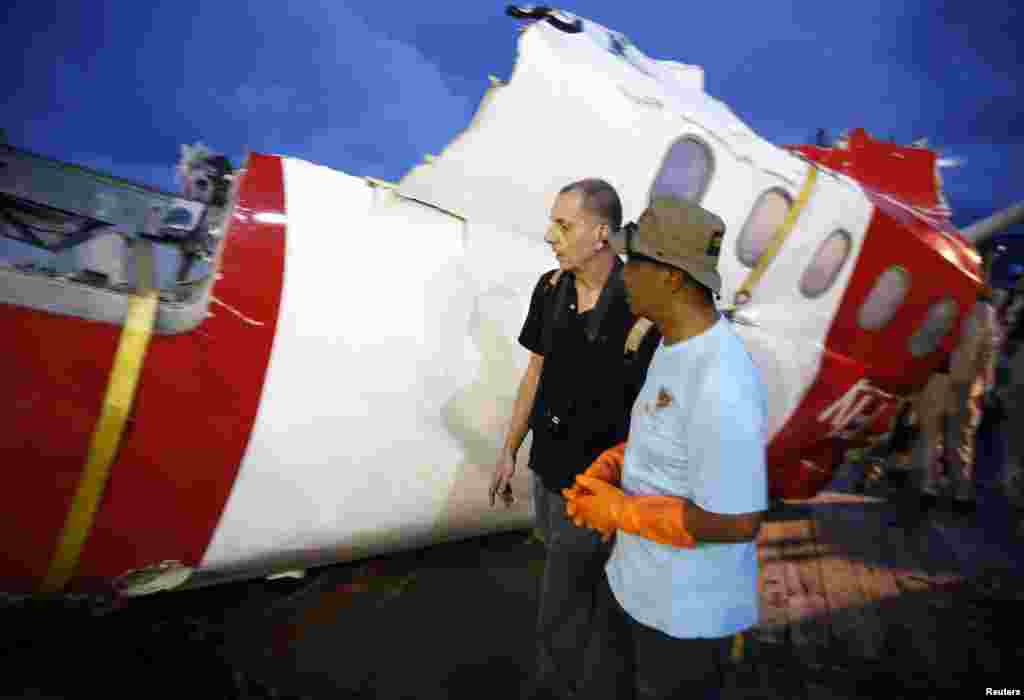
column 573, row 569
column 627, row 660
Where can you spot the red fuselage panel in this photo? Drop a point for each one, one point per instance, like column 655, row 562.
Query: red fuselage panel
column 195, row 406
column 865, row 374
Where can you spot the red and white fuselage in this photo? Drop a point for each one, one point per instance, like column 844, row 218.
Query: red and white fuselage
column 346, row 392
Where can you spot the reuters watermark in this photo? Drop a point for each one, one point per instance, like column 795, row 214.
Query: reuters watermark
column 1002, row 692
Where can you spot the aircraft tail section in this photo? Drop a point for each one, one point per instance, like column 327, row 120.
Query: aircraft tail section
column 908, row 173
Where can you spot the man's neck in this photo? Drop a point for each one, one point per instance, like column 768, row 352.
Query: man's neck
column 595, row 272
column 685, row 320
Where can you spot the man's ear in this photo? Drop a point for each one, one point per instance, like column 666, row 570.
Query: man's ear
column 676, row 278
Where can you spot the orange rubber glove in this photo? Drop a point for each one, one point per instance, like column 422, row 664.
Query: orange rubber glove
column 607, row 467
column 605, row 508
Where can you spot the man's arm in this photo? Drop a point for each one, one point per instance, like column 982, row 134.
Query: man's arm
column 963, row 364
column 671, row 520
column 706, row 526
column 519, row 425
column 525, row 396
column 730, row 479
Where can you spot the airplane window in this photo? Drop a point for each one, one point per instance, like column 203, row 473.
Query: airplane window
column 825, row 264
column 685, row 171
column 768, row 214
column 884, row 299
column 179, row 217
column 936, row 325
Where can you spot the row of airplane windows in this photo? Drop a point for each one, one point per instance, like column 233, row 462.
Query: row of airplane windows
column 686, row 172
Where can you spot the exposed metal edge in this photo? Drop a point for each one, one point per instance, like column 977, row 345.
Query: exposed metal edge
column 65, row 297
column 377, row 182
column 165, row 576
column 412, row 198
column 68, row 298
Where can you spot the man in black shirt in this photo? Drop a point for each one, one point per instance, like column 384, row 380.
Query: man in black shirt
column 576, row 396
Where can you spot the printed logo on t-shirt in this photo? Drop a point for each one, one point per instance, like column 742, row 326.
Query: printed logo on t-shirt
column 664, row 398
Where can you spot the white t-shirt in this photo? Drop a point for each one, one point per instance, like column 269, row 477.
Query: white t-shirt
column 698, row 431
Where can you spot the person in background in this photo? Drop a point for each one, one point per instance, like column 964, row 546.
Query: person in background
column 971, row 374
column 931, row 408
column 1011, row 398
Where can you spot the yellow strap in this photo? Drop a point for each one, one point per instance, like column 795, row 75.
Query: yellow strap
column 737, row 648
column 780, row 235
column 117, row 404
column 145, row 267
column 637, row 333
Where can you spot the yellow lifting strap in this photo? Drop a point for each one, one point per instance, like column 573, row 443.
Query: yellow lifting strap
column 637, row 333
column 736, row 653
column 106, row 438
column 788, row 224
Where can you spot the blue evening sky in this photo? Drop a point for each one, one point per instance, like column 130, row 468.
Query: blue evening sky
column 370, row 87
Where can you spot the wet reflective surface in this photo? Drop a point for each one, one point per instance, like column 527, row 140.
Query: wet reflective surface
column 856, row 603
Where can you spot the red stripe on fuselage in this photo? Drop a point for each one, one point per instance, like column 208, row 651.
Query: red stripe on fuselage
column 194, row 410
column 53, row 375
column 803, row 455
column 938, row 265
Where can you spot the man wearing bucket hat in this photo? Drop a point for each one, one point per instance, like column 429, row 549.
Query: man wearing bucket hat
column 686, row 496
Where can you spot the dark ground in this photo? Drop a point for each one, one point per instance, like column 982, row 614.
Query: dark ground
column 456, row 621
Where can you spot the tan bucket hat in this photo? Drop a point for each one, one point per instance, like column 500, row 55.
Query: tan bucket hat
column 679, row 233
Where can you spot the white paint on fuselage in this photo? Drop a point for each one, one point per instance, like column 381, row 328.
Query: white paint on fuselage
column 573, row 109
column 395, row 364
column 787, row 332
column 390, row 381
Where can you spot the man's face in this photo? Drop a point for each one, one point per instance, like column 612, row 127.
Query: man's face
column 644, row 282
column 642, row 278
column 574, row 234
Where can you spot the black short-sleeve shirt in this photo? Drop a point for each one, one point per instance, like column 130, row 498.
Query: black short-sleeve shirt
column 588, row 383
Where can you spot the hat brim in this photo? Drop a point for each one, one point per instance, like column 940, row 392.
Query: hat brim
column 621, row 242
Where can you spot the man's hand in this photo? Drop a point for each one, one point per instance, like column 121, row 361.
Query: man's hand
column 501, row 483
column 594, row 503
column 607, row 467
column 606, row 508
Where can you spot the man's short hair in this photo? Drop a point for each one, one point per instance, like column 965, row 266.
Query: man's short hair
column 600, row 199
